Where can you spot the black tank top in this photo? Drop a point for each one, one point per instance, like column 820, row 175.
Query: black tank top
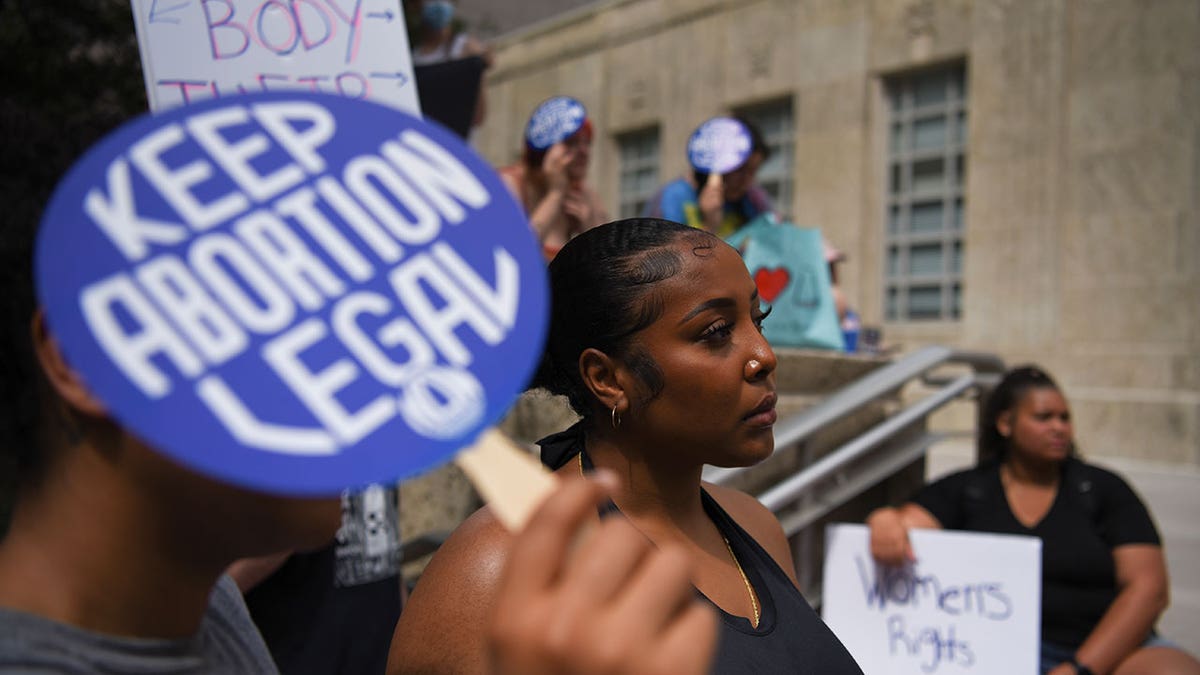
column 790, row 637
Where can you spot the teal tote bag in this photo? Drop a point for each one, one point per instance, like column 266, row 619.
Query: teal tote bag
column 788, row 265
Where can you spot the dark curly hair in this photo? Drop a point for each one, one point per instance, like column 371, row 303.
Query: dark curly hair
column 602, row 287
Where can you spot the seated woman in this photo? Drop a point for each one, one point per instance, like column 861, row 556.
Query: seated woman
column 1104, row 579
column 655, row 340
column 550, row 181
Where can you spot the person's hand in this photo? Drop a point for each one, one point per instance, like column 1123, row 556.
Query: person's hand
column 474, row 47
column 554, row 166
column 889, row 537
column 1062, row 669
column 611, row 603
column 712, row 202
column 577, row 206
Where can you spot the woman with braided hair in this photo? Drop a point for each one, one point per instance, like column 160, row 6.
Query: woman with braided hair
column 655, row 339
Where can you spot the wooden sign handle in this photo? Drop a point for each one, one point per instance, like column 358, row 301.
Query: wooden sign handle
column 511, row 480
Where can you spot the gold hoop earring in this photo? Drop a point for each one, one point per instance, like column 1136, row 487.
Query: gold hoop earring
column 616, row 418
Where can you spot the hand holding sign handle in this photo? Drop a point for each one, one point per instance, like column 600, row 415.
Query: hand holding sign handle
column 584, row 579
column 712, row 202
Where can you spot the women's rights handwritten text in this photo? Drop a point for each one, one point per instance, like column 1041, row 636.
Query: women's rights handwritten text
column 903, row 588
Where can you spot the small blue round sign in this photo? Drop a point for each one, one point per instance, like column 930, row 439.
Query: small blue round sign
column 554, row 121
column 294, row 292
column 719, row 145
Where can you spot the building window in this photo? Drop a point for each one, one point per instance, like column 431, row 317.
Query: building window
column 639, row 170
column 926, row 181
column 774, row 120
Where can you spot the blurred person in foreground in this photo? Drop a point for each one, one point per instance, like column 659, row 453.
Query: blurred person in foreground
column 113, row 559
column 332, row 609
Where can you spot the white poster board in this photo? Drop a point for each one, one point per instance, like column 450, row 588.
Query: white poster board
column 194, row 50
column 971, row 603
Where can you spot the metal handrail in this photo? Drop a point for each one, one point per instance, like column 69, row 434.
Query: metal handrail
column 790, row 490
column 801, row 499
column 876, row 384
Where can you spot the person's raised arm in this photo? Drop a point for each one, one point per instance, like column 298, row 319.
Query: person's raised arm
column 583, row 205
column 711, row 202
column 889, row 531
column 547, row 214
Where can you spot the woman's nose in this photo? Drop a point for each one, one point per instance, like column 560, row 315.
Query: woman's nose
column 761, row 361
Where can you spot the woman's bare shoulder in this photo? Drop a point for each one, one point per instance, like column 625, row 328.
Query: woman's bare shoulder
column 442, row 628
column 745, row 509
column 758, row 521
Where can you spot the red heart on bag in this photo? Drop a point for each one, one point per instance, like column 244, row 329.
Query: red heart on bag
column 771, row 282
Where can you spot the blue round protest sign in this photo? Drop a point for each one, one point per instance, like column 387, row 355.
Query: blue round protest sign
column 554, row 121
column 297, row 293
column 719, row 146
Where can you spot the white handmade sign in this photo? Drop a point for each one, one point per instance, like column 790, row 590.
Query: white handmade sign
column 970, row 603
column 199, row 49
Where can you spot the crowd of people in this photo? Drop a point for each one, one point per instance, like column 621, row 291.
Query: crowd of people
column 118, row 559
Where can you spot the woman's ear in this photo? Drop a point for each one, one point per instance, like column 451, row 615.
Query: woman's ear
column 62, row 379
column 1004, row 423
column 599, row 373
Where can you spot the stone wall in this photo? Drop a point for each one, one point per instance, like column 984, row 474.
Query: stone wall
column 1083, row 165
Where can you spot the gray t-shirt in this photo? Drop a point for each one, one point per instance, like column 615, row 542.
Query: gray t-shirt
column 226, row 644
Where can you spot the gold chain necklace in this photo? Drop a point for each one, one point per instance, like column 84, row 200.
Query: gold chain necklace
column 745, row 579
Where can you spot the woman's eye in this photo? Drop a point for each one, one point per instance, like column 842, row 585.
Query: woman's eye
column 717, row 331
column 762, row 316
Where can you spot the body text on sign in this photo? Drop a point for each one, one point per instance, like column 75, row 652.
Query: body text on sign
column 193, row 50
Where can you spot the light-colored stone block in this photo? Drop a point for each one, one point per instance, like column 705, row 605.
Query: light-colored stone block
column 1162, row 431
column 904, row 32
column 1156, row 315
column 1126, row 250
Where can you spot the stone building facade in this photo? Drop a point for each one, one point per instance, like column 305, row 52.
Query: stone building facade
column 1021, row 177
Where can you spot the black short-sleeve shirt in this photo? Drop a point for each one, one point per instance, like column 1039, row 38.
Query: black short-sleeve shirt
column 1094, row 512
